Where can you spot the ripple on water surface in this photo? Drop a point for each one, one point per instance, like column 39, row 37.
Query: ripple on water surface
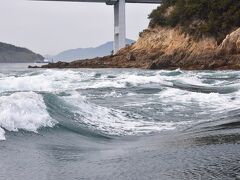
column 116, row 102
column 119, row 124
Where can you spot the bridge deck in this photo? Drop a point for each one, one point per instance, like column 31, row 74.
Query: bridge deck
column 106, row 1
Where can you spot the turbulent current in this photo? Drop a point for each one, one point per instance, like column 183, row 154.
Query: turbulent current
column 118, row 124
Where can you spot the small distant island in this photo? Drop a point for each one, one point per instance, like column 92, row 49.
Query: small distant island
column 186, row 34
column 13, row 54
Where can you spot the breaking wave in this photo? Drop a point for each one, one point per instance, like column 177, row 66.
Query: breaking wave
column 23, row 111
column 78, row 112
column 106, row 103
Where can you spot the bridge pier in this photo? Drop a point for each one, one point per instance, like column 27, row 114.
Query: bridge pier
column 119, row 25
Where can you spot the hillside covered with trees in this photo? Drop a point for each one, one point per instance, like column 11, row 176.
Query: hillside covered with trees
column 12, row 54
column 215, row 18
column 185, row 34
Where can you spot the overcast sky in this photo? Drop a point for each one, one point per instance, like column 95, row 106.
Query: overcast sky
column 51, row 27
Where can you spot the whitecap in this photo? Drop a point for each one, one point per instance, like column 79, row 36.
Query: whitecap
column 215, row 101
column 116, row 122
column 47, row 80
column 23, row 111
column 2, row 133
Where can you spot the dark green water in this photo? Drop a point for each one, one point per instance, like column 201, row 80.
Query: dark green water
column 118, row 124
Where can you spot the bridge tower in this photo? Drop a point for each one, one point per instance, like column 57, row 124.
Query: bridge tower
column 119, row 17
column 119, row 26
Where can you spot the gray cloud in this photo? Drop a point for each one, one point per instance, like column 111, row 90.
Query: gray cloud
column 50, row 27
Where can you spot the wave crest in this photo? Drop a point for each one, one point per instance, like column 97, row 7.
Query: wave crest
column 25, row 111
column 111, row 121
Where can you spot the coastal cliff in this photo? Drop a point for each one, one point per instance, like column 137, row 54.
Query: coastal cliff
column 192, row 35
column 169, row 48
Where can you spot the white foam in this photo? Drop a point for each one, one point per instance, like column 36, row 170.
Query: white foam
column 59, row 80
column 2, row 75
column 2, row 133
column 47, row 80
column 25, row 111
column 113, row 94
column 218, row 102
column 25, row 83
column 116, row 122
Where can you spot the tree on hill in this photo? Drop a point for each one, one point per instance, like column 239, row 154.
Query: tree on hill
column 199, row 18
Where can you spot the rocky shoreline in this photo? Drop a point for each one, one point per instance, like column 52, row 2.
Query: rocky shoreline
column 168, row 48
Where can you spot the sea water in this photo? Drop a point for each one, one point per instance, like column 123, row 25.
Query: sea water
column 118, row 124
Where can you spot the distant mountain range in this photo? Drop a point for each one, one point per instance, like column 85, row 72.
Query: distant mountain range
column 13, row 54
column 85, row 53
